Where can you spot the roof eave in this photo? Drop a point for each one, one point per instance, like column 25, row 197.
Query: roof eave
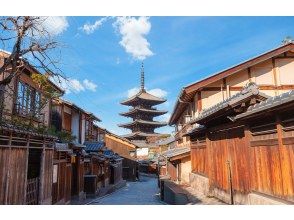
column 287, row 47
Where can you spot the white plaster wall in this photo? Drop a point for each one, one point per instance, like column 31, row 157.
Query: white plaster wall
column 142, row 152
column 238, row 79
column 262, row 74
column 285, row 71
column 83, row 135
column 210, row 98
column 75, row 125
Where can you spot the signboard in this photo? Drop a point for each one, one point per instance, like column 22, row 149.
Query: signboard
column 55, row 171
column 142, row 151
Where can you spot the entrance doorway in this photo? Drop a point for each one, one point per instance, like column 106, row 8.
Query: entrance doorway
column 33, row 176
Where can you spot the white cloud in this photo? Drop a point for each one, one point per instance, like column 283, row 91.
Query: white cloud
column 133, row 32
column 90, row 28
column 156, row 92
column 55, row 25
column 132, row 92
column 89, row 85
column 164, row 117
column 73, row 85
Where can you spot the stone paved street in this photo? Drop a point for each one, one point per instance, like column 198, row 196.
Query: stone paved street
column 143, row 192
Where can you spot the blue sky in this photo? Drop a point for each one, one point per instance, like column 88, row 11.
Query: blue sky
column 176, row 51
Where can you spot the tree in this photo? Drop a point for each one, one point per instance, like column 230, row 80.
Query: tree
column 30, row 44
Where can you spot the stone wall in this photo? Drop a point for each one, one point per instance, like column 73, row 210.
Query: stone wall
column 199, row 182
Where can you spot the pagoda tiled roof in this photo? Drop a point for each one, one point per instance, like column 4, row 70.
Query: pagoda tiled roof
column 140, row 134
column 143, row 96
column 136, row 110
column 143, row 122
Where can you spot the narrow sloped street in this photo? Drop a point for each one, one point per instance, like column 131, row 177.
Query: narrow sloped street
column 143, row 192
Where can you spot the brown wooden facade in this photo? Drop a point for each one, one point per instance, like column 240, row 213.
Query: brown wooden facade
column 229, row 159
column 26, row 148
column 127, row 150
column 248, row 157
column 26, row 167
column 62, row 175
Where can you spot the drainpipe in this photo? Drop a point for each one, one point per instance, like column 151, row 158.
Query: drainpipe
column 230, row 181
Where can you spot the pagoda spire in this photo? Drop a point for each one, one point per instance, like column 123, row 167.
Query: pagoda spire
column 142, row 77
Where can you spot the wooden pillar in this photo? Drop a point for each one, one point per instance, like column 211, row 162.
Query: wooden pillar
column 199, row 101
column 26, row 169
column 224, row 89
column 42, row 174
column 284, row 162
column 249, row 74
column 250, row 174
column 8, row 170
column 179, row 171
column 209, row 168
column 275, row 76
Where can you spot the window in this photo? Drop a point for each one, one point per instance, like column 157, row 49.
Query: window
column 28, row 100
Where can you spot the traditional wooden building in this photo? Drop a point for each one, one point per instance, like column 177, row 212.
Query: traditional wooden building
column 221, row 159
column 248, row 140
column 142, row 114
column 102, row 167
column 26, row 145
column 62, row 174
column 127, row 150
column 178, row 164
column 75, row 126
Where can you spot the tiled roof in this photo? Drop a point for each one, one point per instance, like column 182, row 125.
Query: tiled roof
column 189, row 91
column 166, row 141
column 78, row 145
column 140, row 134
column 94, row 146
column 176, row 151
column 24, row 130
column 139, row 121
column 143, row 144
column 198, row 127
column 247, row 92
column 135, row 110
column 143, row 95
column 268, row 104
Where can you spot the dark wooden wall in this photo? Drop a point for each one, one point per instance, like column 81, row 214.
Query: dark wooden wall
column 13, row 175
column 199, row 160
column 130, row 169
column 61, row 190
column 48, row 177
column 24, row 156
column 228, row 153
column 272, row 157
column 259, row 156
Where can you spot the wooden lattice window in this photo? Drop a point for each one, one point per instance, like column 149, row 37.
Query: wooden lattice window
column 28, row 102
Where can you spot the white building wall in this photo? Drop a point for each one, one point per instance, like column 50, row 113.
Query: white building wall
column 75, row 125
column 83, row 135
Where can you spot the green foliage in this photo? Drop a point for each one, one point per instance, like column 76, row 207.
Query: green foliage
column 48, row 91
column 20, row 123
column 63, row 136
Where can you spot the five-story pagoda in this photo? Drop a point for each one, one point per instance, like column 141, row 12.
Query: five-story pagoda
column 142, row 112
